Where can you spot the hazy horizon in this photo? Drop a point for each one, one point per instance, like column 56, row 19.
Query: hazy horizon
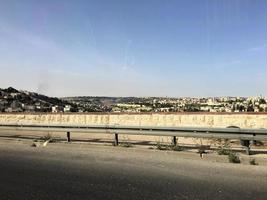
column 103, row 96
column 120, row 48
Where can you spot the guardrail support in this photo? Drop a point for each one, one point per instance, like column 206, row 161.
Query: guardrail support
column 116, row 139
column 68, row 136
column 174, row 141
column 246, row 144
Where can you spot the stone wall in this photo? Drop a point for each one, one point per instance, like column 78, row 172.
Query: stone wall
column 152, row 119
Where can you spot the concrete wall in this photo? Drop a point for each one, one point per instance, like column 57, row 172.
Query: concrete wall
column 151, row 119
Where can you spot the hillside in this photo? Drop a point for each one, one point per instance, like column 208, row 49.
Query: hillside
column 13, row 100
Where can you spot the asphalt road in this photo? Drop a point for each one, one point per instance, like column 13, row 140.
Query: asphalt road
column 82, row 171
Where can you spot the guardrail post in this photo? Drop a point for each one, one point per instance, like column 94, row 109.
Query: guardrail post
column 68, row 136
column 116, row 139
column 246, row 144
column 247, row 150
column 174, row 141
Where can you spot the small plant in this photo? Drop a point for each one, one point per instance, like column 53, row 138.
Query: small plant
column 253, row 161
column 233, row 158
column 176, row 148
column 34, row 145
column 46, row 137
column 161, row 146
column 221, row 142
column 224, row 150
column 126, row 144
column 43, row 141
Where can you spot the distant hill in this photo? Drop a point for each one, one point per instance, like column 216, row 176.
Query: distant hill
column 121, row 104
column 13, row 100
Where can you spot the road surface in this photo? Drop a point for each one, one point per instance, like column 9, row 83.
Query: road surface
column 84, row 171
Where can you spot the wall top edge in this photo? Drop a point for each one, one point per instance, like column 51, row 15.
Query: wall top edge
column 137, row 113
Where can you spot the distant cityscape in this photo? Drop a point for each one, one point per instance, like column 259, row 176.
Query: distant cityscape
column 13, row 100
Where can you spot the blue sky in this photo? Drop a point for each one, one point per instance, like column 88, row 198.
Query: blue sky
column 169, row 48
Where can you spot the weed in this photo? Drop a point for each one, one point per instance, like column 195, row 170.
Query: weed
column 172, row 147
column 221, row 142
column 161, row 146
column 46, row 137
column 126, row 144
column 33, row 145
column 253, row 161
column 224, row 150
column 36, row 144
column 233, row 158
column 176, row 148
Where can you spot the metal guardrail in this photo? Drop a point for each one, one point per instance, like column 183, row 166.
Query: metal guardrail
column 228, row 133
column 224, row 133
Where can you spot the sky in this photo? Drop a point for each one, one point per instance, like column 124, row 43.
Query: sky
column 173, row 48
